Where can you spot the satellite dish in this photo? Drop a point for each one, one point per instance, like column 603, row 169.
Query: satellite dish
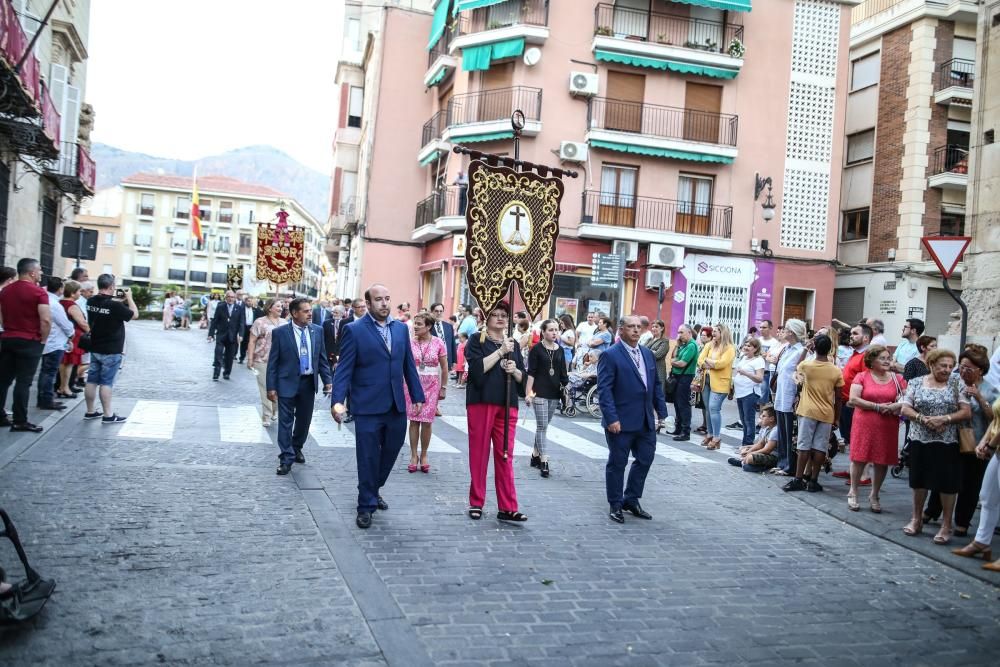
column 532, row 56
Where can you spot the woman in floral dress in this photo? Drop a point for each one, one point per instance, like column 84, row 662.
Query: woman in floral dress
column 431, row 358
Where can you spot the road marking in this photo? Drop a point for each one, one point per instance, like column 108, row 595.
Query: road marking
column 669, row 452
column 324, row 430
column 461, row 425
column 241, row 423
column 151, row 420
column 575, row 443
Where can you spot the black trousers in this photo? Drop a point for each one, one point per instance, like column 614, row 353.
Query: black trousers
column 244, row 343
column 225, row 350
column 973, row 469
column 682, row 404
column 18, row 362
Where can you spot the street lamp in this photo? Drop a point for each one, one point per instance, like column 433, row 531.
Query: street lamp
column 767, row 208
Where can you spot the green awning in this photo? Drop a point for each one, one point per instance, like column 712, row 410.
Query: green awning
column 476, row 58
column 430, row 158
column 437, row 77
column 439, row 23
column 464, row 5
column 489, row 136
column 664, row 64
column 731, row 5
column 660, row 152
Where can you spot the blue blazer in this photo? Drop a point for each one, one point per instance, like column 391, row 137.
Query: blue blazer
column 449, row 342
column 370, row 374
column 283, row 362
column 622, row 395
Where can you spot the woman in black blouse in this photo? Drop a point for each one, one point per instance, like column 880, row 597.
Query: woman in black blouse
column 491, row 358
column 917, row 366
column 547, row 376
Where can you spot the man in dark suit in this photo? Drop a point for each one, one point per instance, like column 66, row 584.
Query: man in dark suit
column 251, row 311
column 296, row 368
column 446, row 332
column 375, row 360
column 227, row 329
column 629, row 392
column 320, row 312
column 332, row 330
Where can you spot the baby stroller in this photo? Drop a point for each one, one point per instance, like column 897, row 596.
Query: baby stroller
column 904, row 461
column 582, row 395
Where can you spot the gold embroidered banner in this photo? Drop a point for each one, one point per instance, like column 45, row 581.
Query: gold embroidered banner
column 512, row 222
column 280, row 253
column 234, row 277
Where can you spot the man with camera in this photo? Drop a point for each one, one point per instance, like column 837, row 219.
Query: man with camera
column 107, row 313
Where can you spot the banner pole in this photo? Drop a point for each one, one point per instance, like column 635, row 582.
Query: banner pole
column 517, row 124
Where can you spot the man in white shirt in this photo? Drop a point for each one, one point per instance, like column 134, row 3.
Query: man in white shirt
column 55, row 346
column 913, row 329
column 646, row 334
column 585, row 330
column 878, row 326
column 768, row 343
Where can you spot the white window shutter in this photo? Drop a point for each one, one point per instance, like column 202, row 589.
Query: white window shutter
column 58, row 78
column 71, row 114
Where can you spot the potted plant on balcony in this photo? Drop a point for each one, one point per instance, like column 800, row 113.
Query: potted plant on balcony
column 661, row 38
column 603, row 30
column 736, row 48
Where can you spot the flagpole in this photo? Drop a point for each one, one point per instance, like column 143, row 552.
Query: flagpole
column 510, row 296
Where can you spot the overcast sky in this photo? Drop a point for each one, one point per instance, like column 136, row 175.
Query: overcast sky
column 190, row 78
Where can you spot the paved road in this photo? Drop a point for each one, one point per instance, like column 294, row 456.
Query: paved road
column 174, row 542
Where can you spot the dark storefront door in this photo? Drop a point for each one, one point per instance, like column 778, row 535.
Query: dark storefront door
column 47, row 253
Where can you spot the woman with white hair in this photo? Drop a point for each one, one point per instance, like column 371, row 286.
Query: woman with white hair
column 784, row 390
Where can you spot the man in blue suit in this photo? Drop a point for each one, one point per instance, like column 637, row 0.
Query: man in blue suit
column 375, row 360
column 445, row 331
column 629, row 391
column 296, row 366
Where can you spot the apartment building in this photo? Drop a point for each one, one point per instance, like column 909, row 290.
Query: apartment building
column 913, row 71
column 373, row 181
column 155, row 245
column 45, row 165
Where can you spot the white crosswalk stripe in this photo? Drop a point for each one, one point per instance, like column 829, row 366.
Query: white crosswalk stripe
column 241, row 423
column 460, row 424
column 324, row 430
column 571, row 441
column 151, row 420
column 668, row 452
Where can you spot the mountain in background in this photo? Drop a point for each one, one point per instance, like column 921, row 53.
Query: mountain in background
column 261, row 165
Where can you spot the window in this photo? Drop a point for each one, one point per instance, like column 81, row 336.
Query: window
column 140, row 271
column 198, row 245
column 618, row 187
column 694, row 204
column 865, row 71
column 355, row 106
column 952, row 224
column 860, row 147
column 198, row 276
column 246, row 244
column 146, row 204
column 175, row 274
column 247, row 212
column 205, row 209
column 109, row 239
column 222, row 245
column 352, row 34
column 855, row 225
column 226, row 211
column 219, row 279
column 183, row 211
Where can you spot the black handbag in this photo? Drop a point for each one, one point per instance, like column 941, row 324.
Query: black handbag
column 670, row 387
column 85, row 342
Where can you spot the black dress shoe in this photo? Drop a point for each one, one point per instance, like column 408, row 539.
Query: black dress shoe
column 284, row 469
column 299, row 457
column 26, row 427
column 536, row 461
column 382, row 505
column 4, row 420
column 682, row 437
column 364, row 519
column 544, row 468
column 52, row 406
column 617, row 516
column 215, row 378
column 635, row 509
column 225, row 377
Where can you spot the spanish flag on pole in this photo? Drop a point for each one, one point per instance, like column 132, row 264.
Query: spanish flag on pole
column 196, row 210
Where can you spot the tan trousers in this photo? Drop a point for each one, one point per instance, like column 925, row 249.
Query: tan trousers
column 269, row 410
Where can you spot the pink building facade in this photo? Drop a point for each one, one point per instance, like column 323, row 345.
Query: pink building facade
column 672, row 113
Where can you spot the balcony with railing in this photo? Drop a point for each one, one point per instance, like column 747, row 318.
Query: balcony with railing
column 142, row 241
column 661, row 131
column 485, row 115
column 668, row 42
column 950, row 167
column 35, row 136
column 441, row 212
column 954, row 82
column 21, row 86
column 440, row 61
column 74, row 172
column 431, row 142
column 652, row 220
column 499, row 30
column 345, row 219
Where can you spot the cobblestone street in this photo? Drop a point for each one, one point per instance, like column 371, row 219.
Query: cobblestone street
column 173, row 542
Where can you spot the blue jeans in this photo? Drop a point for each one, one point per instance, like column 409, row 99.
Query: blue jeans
column 103, row 369
column 682, row 404
column 47, row 377
column 765, row 388
column 748, row 415
column 715, row 401
column 786, row 444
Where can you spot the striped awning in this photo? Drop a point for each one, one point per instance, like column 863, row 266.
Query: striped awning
column 665, row 64
column 660, row 152
column 465, row 5
column 731, row 5
column 489, row 136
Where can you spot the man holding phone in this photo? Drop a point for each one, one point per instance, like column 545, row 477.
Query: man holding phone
column 107, row 313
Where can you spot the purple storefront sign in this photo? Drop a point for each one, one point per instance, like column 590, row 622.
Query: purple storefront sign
column 679, row 295
column 762, row 293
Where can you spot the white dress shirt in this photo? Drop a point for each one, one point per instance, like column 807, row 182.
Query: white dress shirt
column 62, row 327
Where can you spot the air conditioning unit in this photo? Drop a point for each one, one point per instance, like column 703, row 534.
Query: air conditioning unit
column 582, row 83
column 656, row 276
column 573, row 151
column 629, row 248
column 666, row 255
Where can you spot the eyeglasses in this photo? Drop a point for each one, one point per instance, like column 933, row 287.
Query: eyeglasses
column 966, row 367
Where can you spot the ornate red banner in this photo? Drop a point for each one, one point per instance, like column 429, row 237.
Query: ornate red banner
column 280, row 253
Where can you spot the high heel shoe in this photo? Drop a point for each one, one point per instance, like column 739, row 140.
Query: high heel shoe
column 852, row 503
column 425, row 467
column 536, row 461
column 411, row 468
column 992, row 567
column 545, row 468
column 913, row 528
column 874, row 504
column 714, row 444
column 706, row 440
column 975, row 550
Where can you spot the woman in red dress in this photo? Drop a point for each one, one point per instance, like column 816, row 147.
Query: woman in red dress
column 875, row 397
column 71, row 290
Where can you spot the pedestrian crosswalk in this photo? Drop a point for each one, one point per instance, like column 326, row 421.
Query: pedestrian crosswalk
column 241, row 424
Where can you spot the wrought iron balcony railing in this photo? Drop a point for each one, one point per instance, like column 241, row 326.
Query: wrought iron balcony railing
column 667, row 29
column 433, row 128
column 441, row 48
column 444, row 202
column 665, row 122
column 74, row 171
column 662, row 215
column 950, row 159
column 504, row 15
column 956, row 72
column 491, row 105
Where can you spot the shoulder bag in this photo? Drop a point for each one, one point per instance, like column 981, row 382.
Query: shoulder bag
column 966, row 436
